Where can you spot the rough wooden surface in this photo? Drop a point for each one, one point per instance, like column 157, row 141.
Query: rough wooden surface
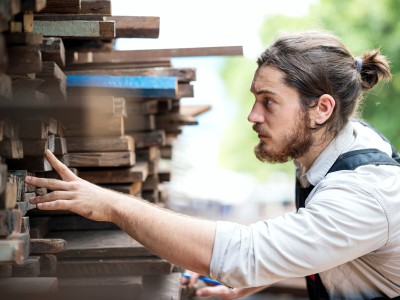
column 105, row 144
column 102, row 159
column 75, row 29
column 136, row 27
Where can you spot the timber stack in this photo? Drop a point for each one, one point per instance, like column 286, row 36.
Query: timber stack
column 109, row 115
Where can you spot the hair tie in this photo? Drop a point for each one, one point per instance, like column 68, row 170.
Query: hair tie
column 359, row 64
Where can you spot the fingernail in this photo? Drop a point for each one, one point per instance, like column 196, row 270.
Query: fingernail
column 28, row 178
column 32, row 200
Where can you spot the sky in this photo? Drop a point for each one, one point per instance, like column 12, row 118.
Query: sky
column 206, row 23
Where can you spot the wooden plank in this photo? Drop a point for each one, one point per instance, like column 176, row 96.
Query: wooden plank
column 147, row 107
column 127, row 55
column 100, row 126
column 138, row 63
column 3, row 177
column 33, row 5
column 39, row 227
column 137, row 123
column 5, row 271
column 194, row 110
column 183, row 75
column 98, row 244
column 101, row 288
column 112, row 267
column 162, row 287
column 148, row 139
column 52, row 49
column 102, row 159
column 30, row 267
column 23, row 59
column 32, row 164
column 69, row 17
column 23, row 38
column 75, row 222
column 100, row 7
column 136, row 173
column 48, row 246
column 11, row 251
column 133, row 189
column 136, row 27
column 151, row 183
column 38, row 147
column 105, row 144
column 5, row 87
column 60, row 146
column 133, row 86
column 48, row 265
column 9, row 197
column 62, row 6
column 11, row 148
column 92, row 106
column 33, row 288
column 147, row 154
column 185, row 91
column 75, row 29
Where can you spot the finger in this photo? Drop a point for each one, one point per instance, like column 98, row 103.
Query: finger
column 50, row 183
column 213, row 291
column 62, row 170
column 193, row 279
column 55, row 205
column 53, row 196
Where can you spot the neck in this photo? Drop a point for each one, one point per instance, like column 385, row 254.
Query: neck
column 321, row 142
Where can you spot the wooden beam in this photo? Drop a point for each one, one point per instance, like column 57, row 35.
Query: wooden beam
column 147, row 139
column 136, row 27
column 133, row 189
column 62, row 6
column 100, row 7
column 133, row 86
column 33, row 5
column 183, row 75
column 23, row 59
column 30, row 267
column 5, row 87
column 23, row 38
column 132, row 55
column 35, row 288
column 136, row 173
column 139, row 63
column 100, row 126
column 48, row 245
column 102, row 159
column 52, row 49
column 194, row 110
column 32, row 164
column 76, row 29
column 11, row 251
column 105, row 144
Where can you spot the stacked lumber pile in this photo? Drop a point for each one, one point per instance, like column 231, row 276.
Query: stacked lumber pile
column 110, row 116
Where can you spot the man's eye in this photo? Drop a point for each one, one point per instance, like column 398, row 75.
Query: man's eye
column 268, row 102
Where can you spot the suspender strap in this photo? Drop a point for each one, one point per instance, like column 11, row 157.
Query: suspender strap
column 347, row 161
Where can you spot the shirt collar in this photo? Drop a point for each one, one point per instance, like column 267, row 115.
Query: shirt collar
column 327, row 158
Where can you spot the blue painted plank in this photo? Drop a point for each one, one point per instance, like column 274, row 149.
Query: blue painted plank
column 133, row 86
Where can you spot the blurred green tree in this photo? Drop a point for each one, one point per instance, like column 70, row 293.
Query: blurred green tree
column 362, row 25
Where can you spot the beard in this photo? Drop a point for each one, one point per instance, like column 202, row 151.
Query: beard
column 292, row 146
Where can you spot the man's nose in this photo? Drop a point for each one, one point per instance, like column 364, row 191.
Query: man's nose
column 255, row 115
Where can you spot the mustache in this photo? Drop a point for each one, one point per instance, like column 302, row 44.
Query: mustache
column 257, row 128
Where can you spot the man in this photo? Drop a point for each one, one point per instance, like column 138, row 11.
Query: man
column 345, row 233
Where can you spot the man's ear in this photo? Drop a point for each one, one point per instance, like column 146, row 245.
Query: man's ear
column 324, row 109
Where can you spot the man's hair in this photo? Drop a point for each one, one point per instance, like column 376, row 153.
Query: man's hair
column 316, row 63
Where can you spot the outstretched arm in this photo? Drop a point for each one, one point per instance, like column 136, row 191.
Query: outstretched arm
column 165, row 233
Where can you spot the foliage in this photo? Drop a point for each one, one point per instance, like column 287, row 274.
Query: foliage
column 362, row 25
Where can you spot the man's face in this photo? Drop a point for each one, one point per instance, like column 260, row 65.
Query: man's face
column 282, row 125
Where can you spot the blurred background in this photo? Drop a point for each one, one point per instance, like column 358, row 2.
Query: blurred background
column 214, row 171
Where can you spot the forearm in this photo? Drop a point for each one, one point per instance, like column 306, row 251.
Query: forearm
column 182, row 240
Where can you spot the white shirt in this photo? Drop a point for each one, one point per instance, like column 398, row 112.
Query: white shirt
column 348, row 232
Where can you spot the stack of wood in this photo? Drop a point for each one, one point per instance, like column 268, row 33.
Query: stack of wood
column 110, row 116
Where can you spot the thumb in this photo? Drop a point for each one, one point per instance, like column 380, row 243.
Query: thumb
column 220, row 291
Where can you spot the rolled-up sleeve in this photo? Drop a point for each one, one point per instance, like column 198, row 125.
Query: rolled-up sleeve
column 327, row 233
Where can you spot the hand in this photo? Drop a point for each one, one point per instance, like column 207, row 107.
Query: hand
column 191, row 282
column 72, row 193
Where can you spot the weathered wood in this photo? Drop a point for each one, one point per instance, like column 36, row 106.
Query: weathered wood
column 52, row 49
column 98, row 244
column 75, row 29
column 101, row 288
column 38, row 147
column 172, row 120
column 105, row 144
column 33, row 5
column 74, row 222
column 3, row 177
column 69, row 17
column 194, row 110
column 5, row 87
column 11, row 251
column 136, row 27
column 24, row 89
column 34, row 129
column 32, row 164
column 9, row 8
column 146, row 154
column 130, row 86
column 30, row 267
column 137, row 123
column 75, row 64
column 92, row 106
column 100, row 126
column 116, row 175
column 166, row 152
column 162, row 287
column 39, row 227
column 183, row 75
column 48, row 265
column 9, row 197
column 5, row 271
column 151, row 196
column 100, row 7
column 23, row 38
column 147, row 107
column 133, row 189
column 28, row 22
column 102, row 159
column 32, row 288
column 11, row 148
column 62, row 6
column 25, row 238
column 164, row 175
column 23, row 59
column 5, row 226
column 128, row 55
column 147, row 139
column 60, row 146
column 112, row 267
column 151, row 183
column 48, row 246
column 185, row 91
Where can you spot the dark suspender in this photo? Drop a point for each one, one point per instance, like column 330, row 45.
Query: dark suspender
column 347, row 161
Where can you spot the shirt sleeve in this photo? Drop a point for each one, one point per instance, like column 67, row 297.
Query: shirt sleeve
column 340, row 223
